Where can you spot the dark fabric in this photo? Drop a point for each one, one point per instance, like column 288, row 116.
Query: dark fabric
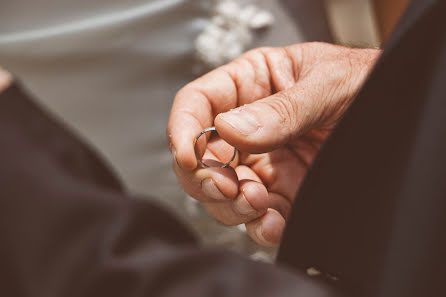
column 372, row 210
column 68, row 229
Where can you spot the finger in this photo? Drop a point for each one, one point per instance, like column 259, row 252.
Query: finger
column 194, row 109
column 283, row 67
column 253, row 195
column 255, row 198
column 209, row 184
column 268, row 229
column 280, row 171
column 243, row 81
column 214, row 183
column 269, row 123
column 326, row 82
column 221, row 151
column 226, row 212
column 251, row 202
column 244, row 172
column 280, row 203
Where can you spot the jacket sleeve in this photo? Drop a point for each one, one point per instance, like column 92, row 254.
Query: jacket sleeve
column 67, row 227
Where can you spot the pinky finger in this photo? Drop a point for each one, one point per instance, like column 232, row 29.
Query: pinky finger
column 268, row 229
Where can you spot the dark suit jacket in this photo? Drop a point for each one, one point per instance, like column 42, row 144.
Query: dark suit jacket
column 369, row 217
column 67, row 228
column 372, row 211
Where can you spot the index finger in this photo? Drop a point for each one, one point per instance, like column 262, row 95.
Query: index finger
column 194, row 109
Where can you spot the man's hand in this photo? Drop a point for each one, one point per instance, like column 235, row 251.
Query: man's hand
column 5, row 79
column 276, row 106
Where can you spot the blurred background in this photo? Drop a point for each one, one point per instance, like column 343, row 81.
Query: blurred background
column 110, row 70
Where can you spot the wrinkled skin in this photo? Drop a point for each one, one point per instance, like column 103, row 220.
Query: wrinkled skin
column 276, row 106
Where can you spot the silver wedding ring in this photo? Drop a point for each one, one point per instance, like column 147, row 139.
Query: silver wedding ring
column 202, row 164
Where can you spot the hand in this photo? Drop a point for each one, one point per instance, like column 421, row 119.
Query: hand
column 276, row 106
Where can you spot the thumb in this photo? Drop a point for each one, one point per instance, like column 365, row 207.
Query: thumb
column 269, row 123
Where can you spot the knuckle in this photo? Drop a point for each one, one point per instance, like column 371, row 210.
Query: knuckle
column 258, row 51
column 280, row 109
column 182, row 92
column 285, row 108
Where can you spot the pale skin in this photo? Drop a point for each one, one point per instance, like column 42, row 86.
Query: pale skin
column 294, row 97
column 276, row 106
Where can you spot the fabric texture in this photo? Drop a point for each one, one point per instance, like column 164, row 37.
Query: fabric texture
column 68, row 229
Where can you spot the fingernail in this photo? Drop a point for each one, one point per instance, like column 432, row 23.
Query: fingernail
column 267, row 222
column 174, row 153
column 241, row 120
column 259, row 232
column 243, row 207
column 210, row 189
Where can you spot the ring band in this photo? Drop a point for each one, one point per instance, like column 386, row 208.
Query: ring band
column 202, row 164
